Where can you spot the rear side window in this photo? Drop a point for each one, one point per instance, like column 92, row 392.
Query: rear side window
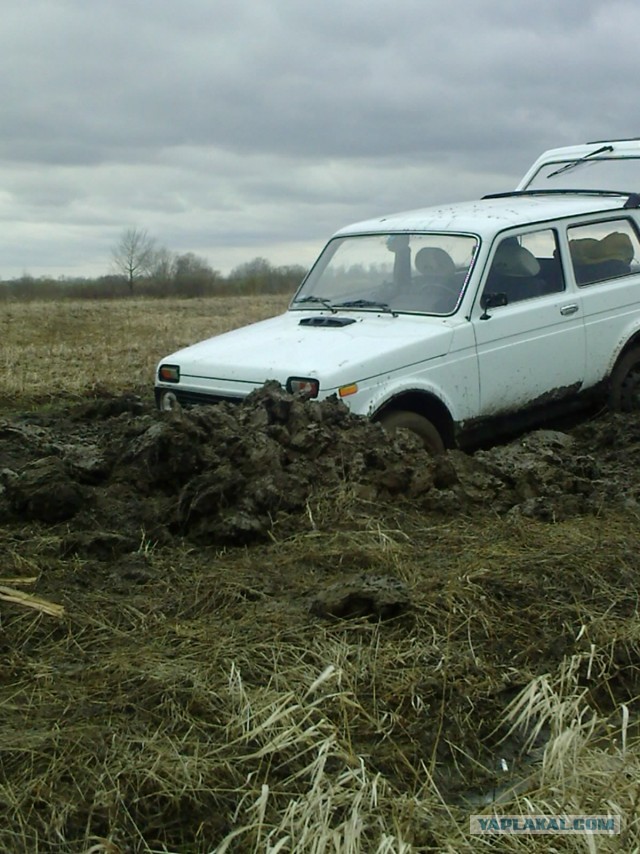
column 604, row 250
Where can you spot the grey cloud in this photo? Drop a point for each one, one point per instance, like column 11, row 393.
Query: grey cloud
column 251, row 123
column 330, row 79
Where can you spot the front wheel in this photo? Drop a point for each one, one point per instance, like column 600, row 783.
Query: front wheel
column 418, row 424
column 624, row 386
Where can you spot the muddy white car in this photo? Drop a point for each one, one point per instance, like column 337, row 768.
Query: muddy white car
column 459, row 321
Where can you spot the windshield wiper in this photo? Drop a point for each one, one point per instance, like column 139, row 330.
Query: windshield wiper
column 575, row 163
column 364, row 303
column 312, row 298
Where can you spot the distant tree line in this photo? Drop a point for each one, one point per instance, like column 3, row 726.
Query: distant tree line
column 143, row 268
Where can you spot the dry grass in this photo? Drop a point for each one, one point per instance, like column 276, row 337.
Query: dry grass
column 207, row 711
column 51, row 349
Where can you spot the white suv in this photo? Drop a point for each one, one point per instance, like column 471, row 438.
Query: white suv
column 458, row 321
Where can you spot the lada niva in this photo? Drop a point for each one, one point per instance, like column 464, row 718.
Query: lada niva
column 458, row 321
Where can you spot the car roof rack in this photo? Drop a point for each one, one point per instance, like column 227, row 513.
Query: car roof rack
column 626, row 139
column 555, row 192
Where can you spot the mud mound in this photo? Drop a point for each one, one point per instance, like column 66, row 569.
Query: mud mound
column 224, row 474
column 113, row 470
column 44, row 490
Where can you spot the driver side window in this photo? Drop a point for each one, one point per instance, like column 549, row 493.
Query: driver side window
column 525, row 266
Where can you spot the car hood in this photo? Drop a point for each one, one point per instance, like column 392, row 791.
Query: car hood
column 368, row 344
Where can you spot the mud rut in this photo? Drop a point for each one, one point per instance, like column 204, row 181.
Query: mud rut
column 264, row 539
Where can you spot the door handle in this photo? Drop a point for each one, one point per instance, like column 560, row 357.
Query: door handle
column 569, row 309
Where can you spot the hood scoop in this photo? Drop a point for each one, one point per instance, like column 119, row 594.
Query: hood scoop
column 323, row 320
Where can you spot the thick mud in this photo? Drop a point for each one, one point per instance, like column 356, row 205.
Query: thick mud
column 113, row 468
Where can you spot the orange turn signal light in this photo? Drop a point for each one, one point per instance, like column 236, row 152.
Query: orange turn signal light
column 346, row 390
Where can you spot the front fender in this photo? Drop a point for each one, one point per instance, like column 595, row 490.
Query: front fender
column 384, row 395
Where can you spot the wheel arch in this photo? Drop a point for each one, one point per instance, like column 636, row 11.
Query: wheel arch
column 630, row 343
column 425, row 404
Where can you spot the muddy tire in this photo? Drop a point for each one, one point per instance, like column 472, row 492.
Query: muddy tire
column 624, row 387
column 418, row 424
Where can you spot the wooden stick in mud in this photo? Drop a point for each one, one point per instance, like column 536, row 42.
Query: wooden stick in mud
column 10, row 594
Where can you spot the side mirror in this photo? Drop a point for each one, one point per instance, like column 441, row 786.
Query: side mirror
column 491, row 300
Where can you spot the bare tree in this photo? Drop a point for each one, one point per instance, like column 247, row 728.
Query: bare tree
column 134, row 255
column 161, row 265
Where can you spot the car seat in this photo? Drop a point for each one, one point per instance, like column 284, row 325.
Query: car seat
column 515, row 272
column 595, row 260
column 438, row 270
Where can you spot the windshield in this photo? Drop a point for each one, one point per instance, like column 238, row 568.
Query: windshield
column 423, row 273
column 620, row 175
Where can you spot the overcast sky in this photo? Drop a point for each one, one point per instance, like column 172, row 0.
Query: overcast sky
column 244, row 128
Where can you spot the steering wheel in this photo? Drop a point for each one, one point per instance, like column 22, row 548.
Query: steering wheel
column 447, row 297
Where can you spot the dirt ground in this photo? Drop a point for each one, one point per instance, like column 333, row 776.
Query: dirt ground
column 254, row 593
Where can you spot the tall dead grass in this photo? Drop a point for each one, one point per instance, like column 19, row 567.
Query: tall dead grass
column 208, row 711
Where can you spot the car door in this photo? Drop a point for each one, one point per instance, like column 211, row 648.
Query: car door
column 605, row 257
column 530, row 350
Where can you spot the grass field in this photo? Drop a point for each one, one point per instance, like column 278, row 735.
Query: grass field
column 192, row 698
column 50, row 349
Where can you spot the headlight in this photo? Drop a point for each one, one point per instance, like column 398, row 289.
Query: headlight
column 303, row 385
column 169, row 373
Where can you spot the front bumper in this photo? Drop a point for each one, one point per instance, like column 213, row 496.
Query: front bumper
column 193, row 398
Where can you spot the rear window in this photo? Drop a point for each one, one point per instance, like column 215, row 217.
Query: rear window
column 604, row 250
